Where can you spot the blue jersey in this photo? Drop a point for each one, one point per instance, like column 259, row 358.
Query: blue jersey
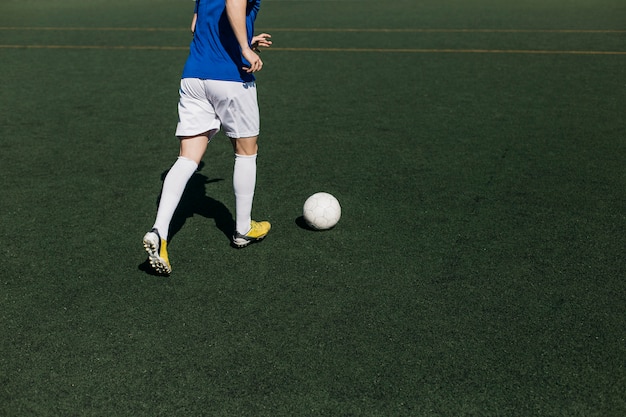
column 214, row 53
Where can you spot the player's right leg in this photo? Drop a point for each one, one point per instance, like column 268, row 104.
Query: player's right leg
column 237, row 108
column 247, row 231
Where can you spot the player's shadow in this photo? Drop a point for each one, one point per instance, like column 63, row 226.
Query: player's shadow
column 195, row 201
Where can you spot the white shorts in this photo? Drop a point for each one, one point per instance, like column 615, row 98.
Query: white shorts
column 208, row 105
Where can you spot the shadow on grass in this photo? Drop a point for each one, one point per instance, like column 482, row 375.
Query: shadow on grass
column 301, row 223
column 145, row 267
column 194, row 201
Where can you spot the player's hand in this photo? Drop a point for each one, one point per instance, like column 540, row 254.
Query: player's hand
column 263, row 40
column 255, row 61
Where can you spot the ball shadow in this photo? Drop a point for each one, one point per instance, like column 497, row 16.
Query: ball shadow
column 302, row 224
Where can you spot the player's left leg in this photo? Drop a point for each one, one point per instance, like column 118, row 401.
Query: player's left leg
column 191, row 151
column 197, row 123
column 156, row 247
column 155, row 241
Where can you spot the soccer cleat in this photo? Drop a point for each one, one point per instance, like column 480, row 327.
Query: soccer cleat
column 258, row 231
column 157, row 252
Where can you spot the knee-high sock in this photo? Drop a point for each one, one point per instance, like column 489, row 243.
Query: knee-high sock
column 173, row 188
column 244, row 182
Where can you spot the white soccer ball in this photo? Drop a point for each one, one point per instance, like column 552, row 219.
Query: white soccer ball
column 321, row 211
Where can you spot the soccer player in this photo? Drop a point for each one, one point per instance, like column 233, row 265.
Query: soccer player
column 217, row 91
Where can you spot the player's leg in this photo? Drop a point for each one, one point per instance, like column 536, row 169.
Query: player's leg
column 155, row 241
column 244, row 181
column 194, row 147
column 244, row 184
column 197, row 124
column 237, row 108
column 245, row 146
column 191, row 151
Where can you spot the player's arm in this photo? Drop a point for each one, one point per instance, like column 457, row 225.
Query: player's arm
column 264, row 40
column 236, row 12
column 193, row 22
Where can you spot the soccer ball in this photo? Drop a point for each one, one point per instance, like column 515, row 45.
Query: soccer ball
column 321, row 211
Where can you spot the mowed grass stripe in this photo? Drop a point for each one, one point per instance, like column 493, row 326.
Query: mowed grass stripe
column 451, row 51
column 340, row 30
column 355, row 50
column 435, row 30
column 102, row 47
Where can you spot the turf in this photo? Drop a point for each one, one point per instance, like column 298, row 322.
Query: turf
column 478, row 269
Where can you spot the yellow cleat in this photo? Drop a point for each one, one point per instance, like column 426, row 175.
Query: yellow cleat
column 157, row 252
column 258, row 231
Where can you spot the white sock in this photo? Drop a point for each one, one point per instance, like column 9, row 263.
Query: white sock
column 173, row 188
column 244, row 182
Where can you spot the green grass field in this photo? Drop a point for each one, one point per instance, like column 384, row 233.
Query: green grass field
column 478, row 149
